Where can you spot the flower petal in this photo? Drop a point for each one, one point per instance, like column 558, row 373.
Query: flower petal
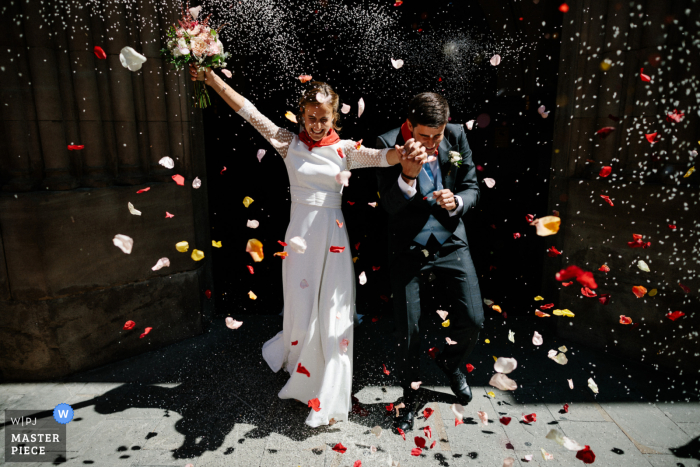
column 162, row 263
column 232, row 323
column 396, row 63
column 502, row 382
column 131, row 59
column 360, row 107
column 124, row 243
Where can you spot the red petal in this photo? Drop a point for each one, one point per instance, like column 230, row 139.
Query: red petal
column 386, row 372
column 375, row 268
column 587, row 280
column 351, row 203
column 625, row 319
column 416, row 451
column 427, row 432
column 295, row 342
column 357, row 464
column 675, row 315
column 340, row 448
column 604, row 132
column 566, row 408
column 586, row 455
column 337, row 249
column 340, row 153
column 145, row 332
column 552, row 252
column 586, row 292
column 547, row 306
column 99, row 53
column 281, row 243
column 129, row 325
column 564, row 8
column 302, row 370
column 401, row 432
column 529, row 217
column 340, row 224
column 433, row 445
column 607, row 200
column 604, row 268
column 315, row 404
column 420, row 442
column 223, row 170
column 470, row 367
column 651, row 137
column 207, row 293
column 76, row 147
column 685, row 288
column 168, row 215
column 671, row 226
column 458, row 422
column 505, row 420
column 644, row 77
column 569, row 273
column 605, row 171
column 516, row 235
column 357, row 245
column 427, row 413
column 250, row 269
column 375, row 319
column 530, row 418
column 179, row 179
column 566, row 284
column 389, row 408
column 143, row 190
column 433, row 351
column 604, row 298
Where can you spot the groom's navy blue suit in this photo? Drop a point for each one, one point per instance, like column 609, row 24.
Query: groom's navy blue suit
column 450, row 261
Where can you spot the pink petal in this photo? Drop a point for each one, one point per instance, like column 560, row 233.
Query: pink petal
column 261, row 154
column 483, row 416
column 232, row 323
column 226, row 72
column 495, row 60
column 537, row 339
column 303, row 284
column 168, row 215
column 449, row 341
column 415, row 385
column 505, row 365
column 344, row 345
column 179, row 179
column 502, row 382
column 343, row 177
column 490, row 182
column 345, row 109
column 443, row 314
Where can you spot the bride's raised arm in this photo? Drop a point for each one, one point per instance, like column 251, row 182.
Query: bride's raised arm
column 280, row 138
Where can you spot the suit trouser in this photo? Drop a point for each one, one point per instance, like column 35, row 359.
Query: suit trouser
column 458, row 287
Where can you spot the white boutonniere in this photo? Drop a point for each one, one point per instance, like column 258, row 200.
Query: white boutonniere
column 455, row 158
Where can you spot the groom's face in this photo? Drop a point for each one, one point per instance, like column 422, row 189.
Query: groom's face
column 428, row 136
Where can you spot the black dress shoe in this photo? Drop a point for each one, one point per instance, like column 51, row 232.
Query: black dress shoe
column 405, row 421
column 458, row 383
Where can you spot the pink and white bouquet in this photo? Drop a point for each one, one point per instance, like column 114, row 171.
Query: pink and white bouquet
column 195, row 42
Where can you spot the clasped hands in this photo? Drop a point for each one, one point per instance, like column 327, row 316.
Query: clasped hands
column 412, row 157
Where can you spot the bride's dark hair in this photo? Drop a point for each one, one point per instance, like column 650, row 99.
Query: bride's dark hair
column 309, row 97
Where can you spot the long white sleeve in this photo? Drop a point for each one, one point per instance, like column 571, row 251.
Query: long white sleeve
column 280, row 138
column 364, row 157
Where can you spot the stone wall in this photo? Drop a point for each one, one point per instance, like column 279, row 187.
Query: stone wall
column 647, row 185
column 65, row 289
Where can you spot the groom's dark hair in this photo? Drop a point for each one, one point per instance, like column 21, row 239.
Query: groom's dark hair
column 428, row 109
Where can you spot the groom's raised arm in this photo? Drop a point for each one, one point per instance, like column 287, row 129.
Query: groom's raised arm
column 467, row 186
column 391, row 197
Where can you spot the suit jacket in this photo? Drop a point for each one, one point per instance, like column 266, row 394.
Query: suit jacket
column 408, row 216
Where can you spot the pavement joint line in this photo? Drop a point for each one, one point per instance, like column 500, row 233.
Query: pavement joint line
column 642, row 448
column 440, row 428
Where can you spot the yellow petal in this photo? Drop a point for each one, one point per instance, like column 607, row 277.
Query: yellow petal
column 283, row 254
column 487, row 341
column 563, row 348
column 538, row 298
column 605, row 64
column 197, row 255
column 247, row 201
column 290, row 116
column 564, row 312
column 689, row 172
column 653, row 292
column 445, row 323
column 491, row 394
column 182, row 247
column 495, row 359
column 548, row 225
column 252, row 295
column 497, row 308
column 354, row 260
column 216, row 244
column 255, row 248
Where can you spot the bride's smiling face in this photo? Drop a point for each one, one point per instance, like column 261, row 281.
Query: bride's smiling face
column 318, row 120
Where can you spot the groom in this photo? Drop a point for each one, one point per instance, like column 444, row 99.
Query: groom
column 426, row 204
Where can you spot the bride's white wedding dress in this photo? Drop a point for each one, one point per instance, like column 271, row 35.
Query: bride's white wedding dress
column 319, row 286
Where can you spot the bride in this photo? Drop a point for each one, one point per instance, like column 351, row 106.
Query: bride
column 315, row 345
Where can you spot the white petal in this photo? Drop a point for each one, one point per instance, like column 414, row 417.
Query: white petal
column 131, row 59
column 360, row 107
column 592, row 385
column 528, row 457
column 505, row 365
column 502, row 382
column 323, row 98
column 449, row 341
column 508, row 462
column 133, row 210
column 552, row 353
column 162, row 263
column 167, row 162
column 253, row 224
column 495, row 60
column 343, row 177
column 470, row 124
column 643, row 266
column 363, row 278
column 298, row 244
column 415, row 385
column 562, row 440
column 397, row 63
column 345, row 109
column 490, row 182
column 443, row 314
column 511, row 336
column 232, row 323
column 377, row 431
column 537, row 338
column 571, row 383
column 196, row 183
column 458, row 410
column 195, row 11
column 488, row 302
column 124, row 243
column 261, row 154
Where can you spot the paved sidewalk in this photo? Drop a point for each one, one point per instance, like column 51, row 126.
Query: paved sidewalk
column 211, row 401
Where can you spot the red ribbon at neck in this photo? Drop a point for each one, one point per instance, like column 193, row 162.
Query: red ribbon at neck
column 407, row 134
column 331, row 138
